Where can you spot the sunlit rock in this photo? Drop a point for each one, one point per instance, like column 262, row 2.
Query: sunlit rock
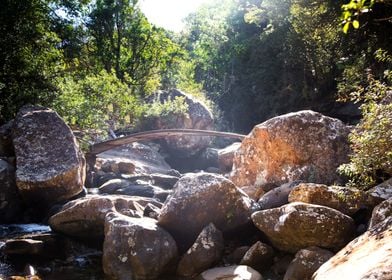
column 346, row 200
column 367, row 257
column 299, row 225
column 202, row 198
column 49, row 164
column 197, row 116
column 298, row 146
column 132, row 158
column 136, row 248
column 85, row 217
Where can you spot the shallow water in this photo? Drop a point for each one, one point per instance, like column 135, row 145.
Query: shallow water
column 14, row 230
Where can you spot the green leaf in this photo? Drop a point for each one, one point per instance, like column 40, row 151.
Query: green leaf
column 356, row 24
column 346, row 26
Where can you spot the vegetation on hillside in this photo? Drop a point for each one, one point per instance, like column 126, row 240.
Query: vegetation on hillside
column 96, row 61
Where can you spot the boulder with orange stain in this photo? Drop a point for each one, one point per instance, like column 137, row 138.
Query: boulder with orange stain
column 305, row 145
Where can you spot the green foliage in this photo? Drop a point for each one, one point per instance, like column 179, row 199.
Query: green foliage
column 98, row 101
column 126, row 42
column 371, row 140
column 29, row 58
column 163, row 114
column 352, row 11
column 253, row 56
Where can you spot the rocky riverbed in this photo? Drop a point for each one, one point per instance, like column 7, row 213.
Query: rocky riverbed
column 271, row 207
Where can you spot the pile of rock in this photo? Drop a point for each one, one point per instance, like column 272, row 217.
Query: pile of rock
column 152, row 221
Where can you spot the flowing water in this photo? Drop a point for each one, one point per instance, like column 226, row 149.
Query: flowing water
column 84, row 267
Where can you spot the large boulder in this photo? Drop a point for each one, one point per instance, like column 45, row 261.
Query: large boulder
column 205, row 252
column 134, row 158
column 304, row 146
column 10, row 201
column 136, row 248
column 346, row 200
column 197, row 116
column 85, row 217
column 367, row 257
column 306, row 262
column 381, row 212
column 299, row 225
column 49, row 164
column 202, row 198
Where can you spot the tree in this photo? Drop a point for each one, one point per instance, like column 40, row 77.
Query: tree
column 29, row 58
column 126, row 42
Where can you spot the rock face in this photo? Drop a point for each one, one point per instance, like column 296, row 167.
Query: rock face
column 198, row 117
column 381, row 212
column 85, row 217
column 50, row 167
column 205, row 252
column 298, row 146
column 367, row 257
column 199, row 199
column 236, row 272
column 299, row 225
column 306, row 262
column 346, row 200
column 136, row 248
column 10, row 202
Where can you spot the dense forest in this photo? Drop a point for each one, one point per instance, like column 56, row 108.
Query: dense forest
column 95, row 62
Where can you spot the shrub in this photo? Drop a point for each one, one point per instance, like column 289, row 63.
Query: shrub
column 371, row 140
column 163, row 114
column 96, row 101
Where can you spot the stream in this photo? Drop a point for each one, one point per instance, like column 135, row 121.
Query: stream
column 85, row 266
